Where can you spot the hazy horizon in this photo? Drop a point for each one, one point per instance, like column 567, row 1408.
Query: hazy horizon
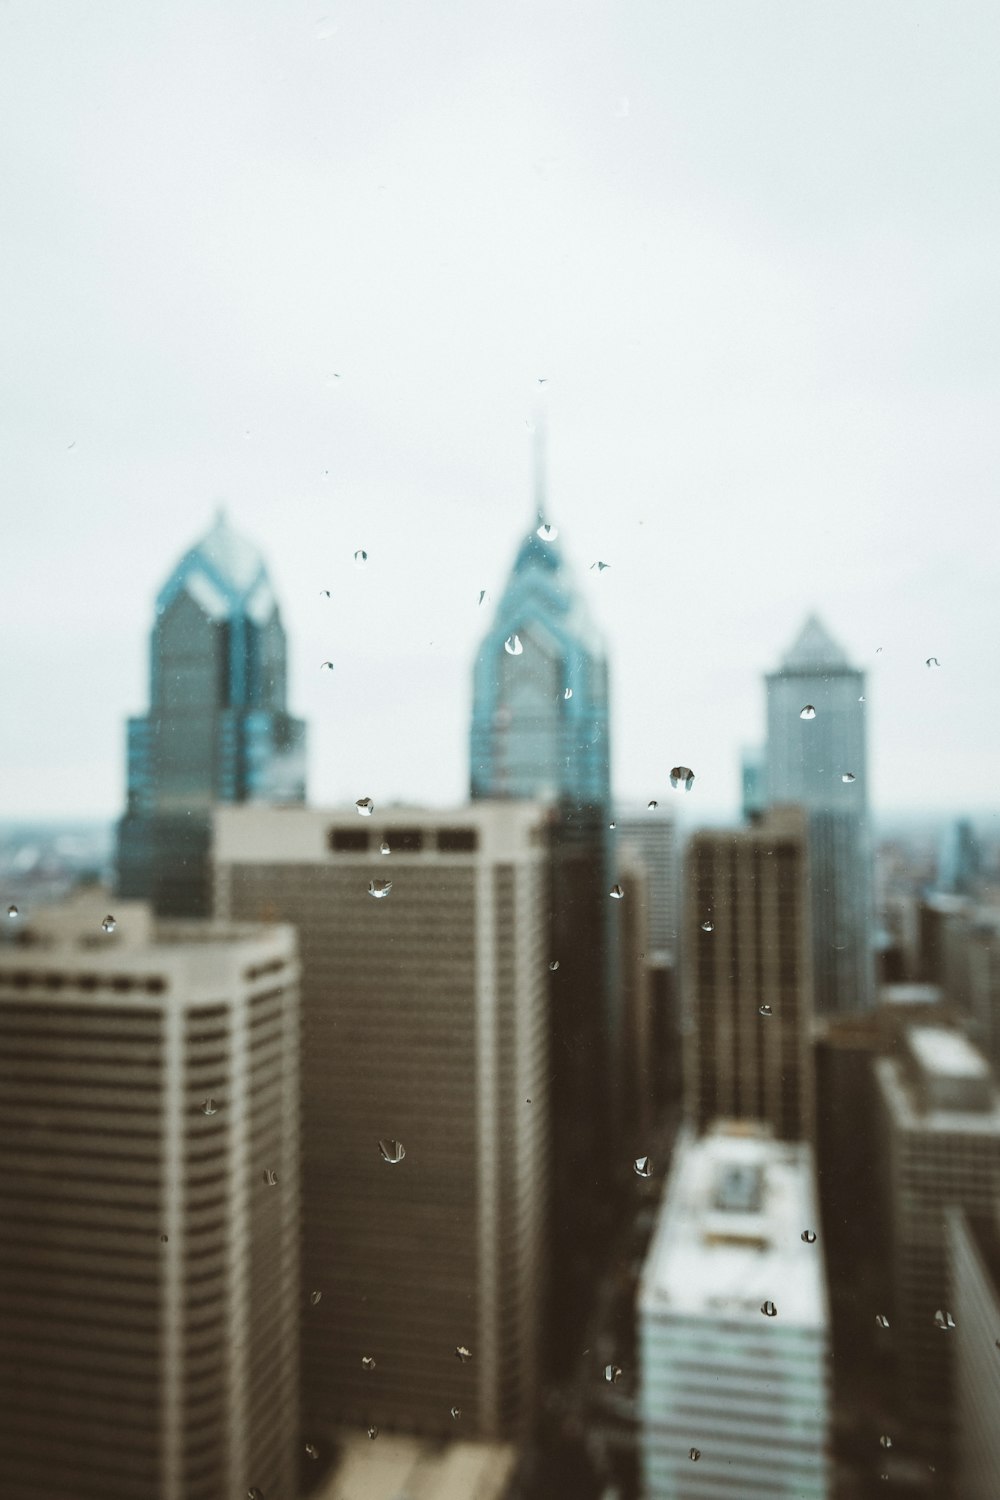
column 313, row 261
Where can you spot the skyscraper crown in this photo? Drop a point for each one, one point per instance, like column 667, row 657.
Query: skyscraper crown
column 814, row 650
column 224, row 574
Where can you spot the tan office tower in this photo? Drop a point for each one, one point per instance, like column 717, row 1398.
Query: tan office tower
column 747, row 976
column 425, row 1167
column 974, row 1282
column 148, row 1208
column 941, row 1125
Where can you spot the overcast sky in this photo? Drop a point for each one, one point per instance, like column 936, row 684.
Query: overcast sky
column 313, row 258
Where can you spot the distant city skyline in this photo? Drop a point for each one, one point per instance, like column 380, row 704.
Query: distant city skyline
column 316, row 267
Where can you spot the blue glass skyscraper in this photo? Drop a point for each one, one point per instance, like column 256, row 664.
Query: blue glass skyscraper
column 816, row 757
column 217, row 729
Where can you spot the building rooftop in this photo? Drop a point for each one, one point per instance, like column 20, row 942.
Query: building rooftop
column 946, row 1053
column 910, row 994
column 224, row 574
column 397, row 1467
column 729, row 1233
column 814, row 650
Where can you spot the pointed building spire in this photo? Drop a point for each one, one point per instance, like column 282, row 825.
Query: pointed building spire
column 539, row 464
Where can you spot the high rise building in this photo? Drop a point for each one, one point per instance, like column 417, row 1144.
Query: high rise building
column 217, row 729
column 540, row 728
column 747, row 976
column 424, row 1098
column 940, row 1116
column 733, row 1325
column 148, row 1208
column 816, row 757
column 646, row 840
column 960, row 860
column 651, row 837
column 974, row 1282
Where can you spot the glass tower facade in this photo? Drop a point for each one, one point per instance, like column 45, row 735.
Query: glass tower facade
column 217, row 729
column 816, row 757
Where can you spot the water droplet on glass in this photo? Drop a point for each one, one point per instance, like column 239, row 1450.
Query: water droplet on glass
column 944, row 1320
column 253, row 1493
column 652, row 804
column 708, row 925
column 209, row 1107
column 567, row 694
column 392, row 1151
column 312, row 1451
column 682, row 777
column 612, row 1374
column 12, row 912
column 163, row 1239
column 612, row 824
column 373, row 1432
column 641, row 1167
column 599, row 567
column 764, row 1010
column 463, row 1353
column 932, row 661
column 553, row 965
column 862, row 698
column 360, row 558
column 383, row 848
column 878, row 650
column 881, row 1321
column 546, row 532
column 365, row 807
column 315, row 1298
column 616, row 893
column 326, row 666
column 808, row 1236
column 512, row 645
column 848, row 777
column 694, row 1454
column 367, row 1363
column 379, row 889
column 270, row 1177
column 456, row 1412
column 109, row 924
column 769, row 1310
column 325, row 594
column 482, row 595
column 885, row 1440
column 808, row 712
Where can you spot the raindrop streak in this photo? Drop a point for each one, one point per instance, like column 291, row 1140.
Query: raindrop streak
column 463, row 1353
column 326, row 666
column 653, row 803
column 708, row 925
column 881, row 1321
column 682, row 774
column 546, row 532
column 12, row 912
column 482, row 595
column 616, row 893
column 373, row 1432
column 808, row 712
column 885, row 1440
column 641, row 1167
column 384, row 848
column 367, row 1363
column 315, row 1298
column 512, row 645
column 456, row 1412
column 932, row 661
column 808, row 1236
column 270, row 1177
column 944, row 1320
column 109, row 924
column 612, row 1374
column 554, row 964
column 312, row 1451
column 599, row 567
column 365, row 807
column 567, row 694
column 769, row 1310
column 360, row 558
column 391, row 1151
column 848, row 777
column 209, row 1107
column 379, row 889
column 764, row 1010
column 694, row 1454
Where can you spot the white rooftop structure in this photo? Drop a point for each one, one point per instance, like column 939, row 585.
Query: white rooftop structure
column 394, row 1466
column 947, row 1053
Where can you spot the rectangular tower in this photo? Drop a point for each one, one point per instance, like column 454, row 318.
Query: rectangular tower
column 974, row 1299
column 148, row 1209
column 747, row 976
column 733, row 1326
column 424, row 1101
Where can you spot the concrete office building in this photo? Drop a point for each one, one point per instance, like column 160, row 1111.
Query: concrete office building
column 816, row 756
column 650, row 836
column 747, row 976
column 423, row 1030
column 940, row 1124
column 734, row 1327
column 974, row 1299
column 148, row 1272
column 217, row 729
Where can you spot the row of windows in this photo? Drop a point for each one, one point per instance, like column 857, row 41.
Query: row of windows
column 405, row 840
column 54, row 980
